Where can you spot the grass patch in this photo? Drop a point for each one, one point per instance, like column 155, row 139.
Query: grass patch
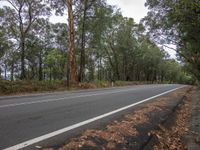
column 15, row 87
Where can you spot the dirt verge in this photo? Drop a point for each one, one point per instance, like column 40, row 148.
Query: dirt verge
column 171, row 136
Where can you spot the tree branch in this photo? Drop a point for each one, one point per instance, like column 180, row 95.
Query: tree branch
column 13, row 5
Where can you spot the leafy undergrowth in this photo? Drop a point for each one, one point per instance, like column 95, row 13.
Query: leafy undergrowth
column 116, row 134
column 22, row 87
column 17, row 87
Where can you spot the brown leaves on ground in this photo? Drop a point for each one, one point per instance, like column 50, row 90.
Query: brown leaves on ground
column 115, row 132
column 172, row 138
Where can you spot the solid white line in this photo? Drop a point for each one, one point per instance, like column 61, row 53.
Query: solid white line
column 55, row 133
column 65, row 98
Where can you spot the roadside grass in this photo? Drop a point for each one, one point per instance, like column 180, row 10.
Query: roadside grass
column 15, row 87
column 33, row 86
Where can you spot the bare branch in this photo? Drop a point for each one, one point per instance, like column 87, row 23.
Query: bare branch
column 13, row 5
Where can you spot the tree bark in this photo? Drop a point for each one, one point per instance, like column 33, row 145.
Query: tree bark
column 22, row 42
column 5, row 72
column 40, row 67
column 116, row 71
column 72, row 57
column 23, row 76
column 82, row 61
column 12, row 71
column 112, row 77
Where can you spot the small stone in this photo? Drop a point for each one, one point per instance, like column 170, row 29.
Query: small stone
column 149, row 134
column 197, row 139
column 38, row 147
column 79, row 145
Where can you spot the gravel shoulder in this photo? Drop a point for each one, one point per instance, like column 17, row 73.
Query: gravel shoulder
column 193, row 136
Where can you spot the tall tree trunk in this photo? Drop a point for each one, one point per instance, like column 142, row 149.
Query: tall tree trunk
column 111, row 77
column 99, row 69
column 116, row 71
column 82, row 61
column 40, row 67
column 22, row 58
column 5, row 72
column 162, row 76
column 125, row 66
column 50, row 73
column 12, row 71
column 72, row 57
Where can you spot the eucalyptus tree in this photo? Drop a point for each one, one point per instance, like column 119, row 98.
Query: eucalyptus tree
column 54, row 62
column 120, row 46
column 44, row 37
column 99, row 25
column 61, row 7
column 3, row 42
column 176, row 22
column 85, row 18
column 40, row 41
column 85, row 5
column 22, row 14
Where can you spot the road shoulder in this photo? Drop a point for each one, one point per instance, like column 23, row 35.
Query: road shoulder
column 193, row 136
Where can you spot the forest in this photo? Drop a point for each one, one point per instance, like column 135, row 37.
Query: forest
column 97, row 44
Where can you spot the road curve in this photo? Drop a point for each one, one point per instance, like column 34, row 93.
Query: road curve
column 31, row 118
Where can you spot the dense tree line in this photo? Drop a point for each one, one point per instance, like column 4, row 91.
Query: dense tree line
column 98, row 43
column 178, row 23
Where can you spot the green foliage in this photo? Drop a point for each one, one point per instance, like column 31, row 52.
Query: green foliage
column 101, row 83
column 55, row 63
column 15, row 87
column 178, row 23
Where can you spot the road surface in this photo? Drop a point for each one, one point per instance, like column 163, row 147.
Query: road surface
column 26, row 120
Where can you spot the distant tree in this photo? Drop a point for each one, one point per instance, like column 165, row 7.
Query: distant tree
column 71, row 67
column 54, row 62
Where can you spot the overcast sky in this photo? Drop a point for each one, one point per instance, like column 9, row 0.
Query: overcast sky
column 131, row 8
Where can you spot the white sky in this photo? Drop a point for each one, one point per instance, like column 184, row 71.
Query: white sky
column 131, row 8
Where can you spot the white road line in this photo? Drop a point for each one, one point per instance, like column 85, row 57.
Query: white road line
column 55, row 133
column 64, row 98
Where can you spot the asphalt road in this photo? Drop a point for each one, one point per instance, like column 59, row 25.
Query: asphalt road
column 27, row 118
